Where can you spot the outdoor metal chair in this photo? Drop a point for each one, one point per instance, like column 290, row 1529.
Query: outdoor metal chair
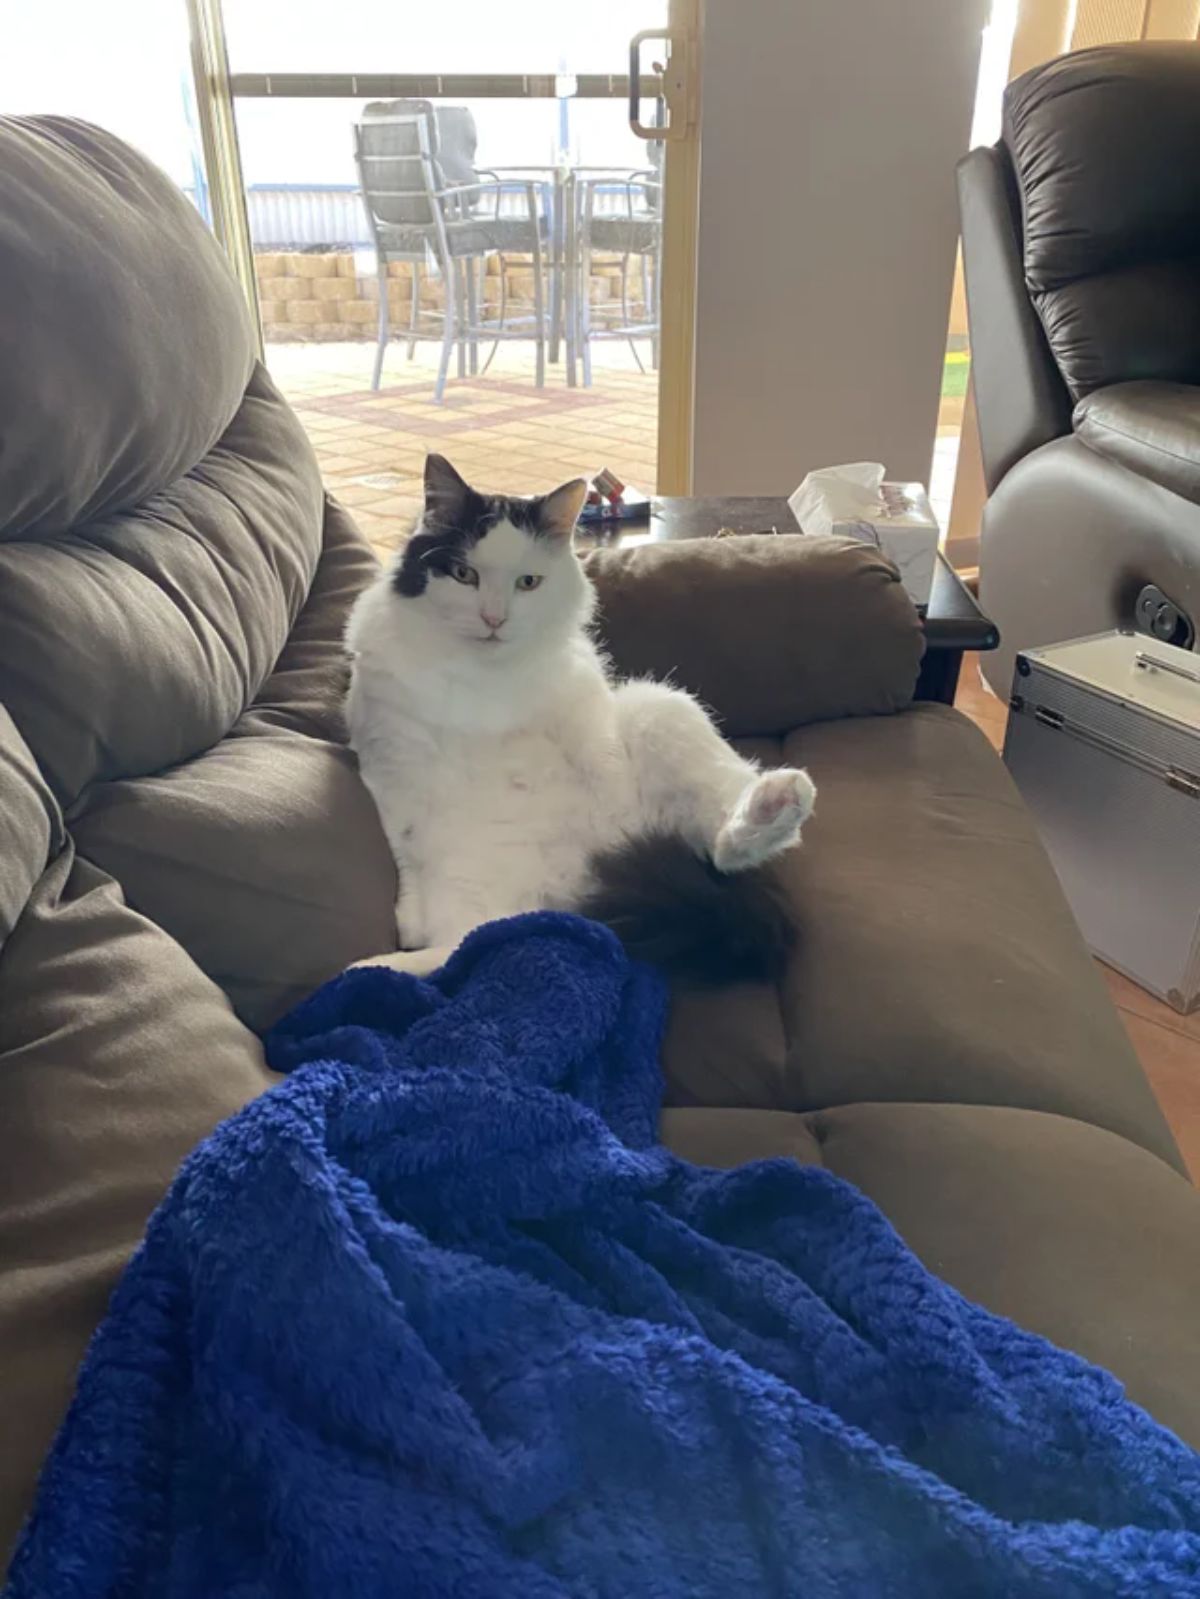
column 618, row 214
column 406, row 152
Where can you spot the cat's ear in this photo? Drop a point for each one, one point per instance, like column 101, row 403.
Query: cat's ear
column 558, row 512
column 446, row 493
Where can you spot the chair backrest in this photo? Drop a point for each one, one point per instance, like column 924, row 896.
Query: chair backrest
column 457, row 141
column 396, row 149
column 1104, row 146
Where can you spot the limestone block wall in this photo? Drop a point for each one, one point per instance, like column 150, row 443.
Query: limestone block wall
column 324, row 295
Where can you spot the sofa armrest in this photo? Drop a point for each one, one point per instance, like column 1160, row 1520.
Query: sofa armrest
column 1151, row 428
column 769, row 631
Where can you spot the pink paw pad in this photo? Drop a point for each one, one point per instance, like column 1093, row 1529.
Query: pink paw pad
column 778, row 794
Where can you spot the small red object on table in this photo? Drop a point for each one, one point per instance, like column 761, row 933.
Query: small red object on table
column 608, row 485
column 610, row 502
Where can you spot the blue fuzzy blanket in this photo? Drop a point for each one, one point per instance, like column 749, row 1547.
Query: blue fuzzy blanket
column 438, row 1316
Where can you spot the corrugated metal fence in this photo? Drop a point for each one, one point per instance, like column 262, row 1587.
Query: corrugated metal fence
column 331, row 216
column 306, row 217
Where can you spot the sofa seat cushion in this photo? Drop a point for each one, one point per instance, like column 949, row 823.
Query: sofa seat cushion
column 1068, row 1230
column 1151, row 428
column 231, row 855
column 936, row 957
column 264, row 856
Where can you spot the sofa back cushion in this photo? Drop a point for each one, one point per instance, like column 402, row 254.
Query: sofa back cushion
column 31, row 825
column 125, row 345
column 160, row 507
column 1103, row 143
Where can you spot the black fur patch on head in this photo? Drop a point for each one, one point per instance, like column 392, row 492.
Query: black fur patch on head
column 435, row 545
column 455, row 519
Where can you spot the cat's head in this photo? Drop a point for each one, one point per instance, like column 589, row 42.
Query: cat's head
column 493, row 573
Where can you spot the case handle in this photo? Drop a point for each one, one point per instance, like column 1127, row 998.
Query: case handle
column 1150, row 663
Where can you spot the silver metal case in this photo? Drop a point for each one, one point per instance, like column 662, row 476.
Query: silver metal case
column 1104, row 743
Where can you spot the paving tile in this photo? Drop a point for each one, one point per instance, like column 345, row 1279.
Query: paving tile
column 396, row 507
column 359, row 496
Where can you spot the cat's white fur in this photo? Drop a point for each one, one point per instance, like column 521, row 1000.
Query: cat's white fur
column 501, row 755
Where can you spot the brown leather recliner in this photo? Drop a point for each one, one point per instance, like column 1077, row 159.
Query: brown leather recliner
column 1081, row 244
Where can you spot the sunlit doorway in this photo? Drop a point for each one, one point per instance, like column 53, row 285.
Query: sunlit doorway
column 484, row 181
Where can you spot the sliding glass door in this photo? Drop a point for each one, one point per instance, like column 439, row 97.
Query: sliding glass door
column 468, row 247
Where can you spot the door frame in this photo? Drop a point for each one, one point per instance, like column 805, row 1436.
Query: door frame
column 219, row 146
column 681, row 231
column 217, row 89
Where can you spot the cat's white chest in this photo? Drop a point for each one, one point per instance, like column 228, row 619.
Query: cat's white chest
column 527, row 789
column 490, row 824
column 544, row 785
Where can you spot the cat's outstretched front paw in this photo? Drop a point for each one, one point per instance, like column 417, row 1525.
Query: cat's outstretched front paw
column 766, row 820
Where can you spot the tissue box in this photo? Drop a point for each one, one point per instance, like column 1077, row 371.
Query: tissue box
column 855, row 503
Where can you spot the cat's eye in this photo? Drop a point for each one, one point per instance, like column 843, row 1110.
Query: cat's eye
column 462, row 573
column 529, row 582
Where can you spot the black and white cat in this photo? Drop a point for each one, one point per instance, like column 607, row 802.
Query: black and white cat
column 513, row 774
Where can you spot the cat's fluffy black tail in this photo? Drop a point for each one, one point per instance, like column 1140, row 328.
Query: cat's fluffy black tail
column 674, row 910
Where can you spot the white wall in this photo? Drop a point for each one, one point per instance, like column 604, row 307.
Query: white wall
column 828, row 226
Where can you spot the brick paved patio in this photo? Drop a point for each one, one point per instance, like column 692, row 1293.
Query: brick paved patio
column 501, row 431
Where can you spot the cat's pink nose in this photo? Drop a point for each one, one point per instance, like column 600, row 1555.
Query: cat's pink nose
column 493, row 621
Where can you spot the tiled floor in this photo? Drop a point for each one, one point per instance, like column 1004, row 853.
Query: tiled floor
column 1168, row 1045
column 502, row 432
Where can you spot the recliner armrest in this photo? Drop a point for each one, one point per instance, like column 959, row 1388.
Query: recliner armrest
column 1151, row 428
column 769, row 631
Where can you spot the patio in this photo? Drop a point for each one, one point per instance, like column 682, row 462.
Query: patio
column 499, row 430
